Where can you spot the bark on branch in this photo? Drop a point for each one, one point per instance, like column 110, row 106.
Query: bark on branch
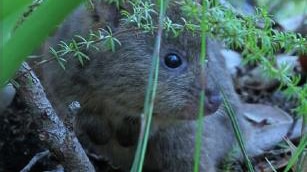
column 51, row 130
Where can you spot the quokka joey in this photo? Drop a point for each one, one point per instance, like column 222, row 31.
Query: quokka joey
column 111, row 89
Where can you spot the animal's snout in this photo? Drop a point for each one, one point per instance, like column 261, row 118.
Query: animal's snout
column 213, row 100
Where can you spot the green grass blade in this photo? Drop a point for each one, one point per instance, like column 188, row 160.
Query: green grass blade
column 31, row 33
column 271, row 165
column 150, row 95
column 237, row 131
column 201, row 112
column 301, row 147
column 198, row 141
column 302, row 159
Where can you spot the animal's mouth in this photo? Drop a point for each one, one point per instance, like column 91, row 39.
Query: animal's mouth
column 211, row 108
column 213, row 101
column 191, row 110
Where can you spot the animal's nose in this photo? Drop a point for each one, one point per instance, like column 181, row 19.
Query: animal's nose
column 213, row 100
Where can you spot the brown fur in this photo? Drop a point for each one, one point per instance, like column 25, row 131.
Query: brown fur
column 111, row 89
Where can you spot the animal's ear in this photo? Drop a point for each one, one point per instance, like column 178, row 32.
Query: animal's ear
column 105, row 13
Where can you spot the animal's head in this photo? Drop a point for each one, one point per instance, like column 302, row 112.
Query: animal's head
column 125, row 72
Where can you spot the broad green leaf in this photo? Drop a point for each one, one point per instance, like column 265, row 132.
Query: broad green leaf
column 31, row 33
column 10, row 7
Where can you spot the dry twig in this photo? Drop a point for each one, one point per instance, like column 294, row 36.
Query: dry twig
column 34, row 160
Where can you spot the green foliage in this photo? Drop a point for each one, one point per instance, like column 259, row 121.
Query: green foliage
column 141, row 15
column 253, row 34
column 237, row 131
column 259, row 43
column 150, row 95
column 30, row 31
column 12, row 7
column 300, row 149
column 75, row 48
column 109, row 41
column 201, row 112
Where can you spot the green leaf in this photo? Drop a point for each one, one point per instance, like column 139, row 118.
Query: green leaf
column 31, row 34
column 11, row 7
column 301, row 147
column 149, row 97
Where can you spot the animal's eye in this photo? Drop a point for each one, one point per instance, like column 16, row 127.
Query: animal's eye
column 172, row 60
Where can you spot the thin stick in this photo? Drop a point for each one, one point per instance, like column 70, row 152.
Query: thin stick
column 34, row 160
